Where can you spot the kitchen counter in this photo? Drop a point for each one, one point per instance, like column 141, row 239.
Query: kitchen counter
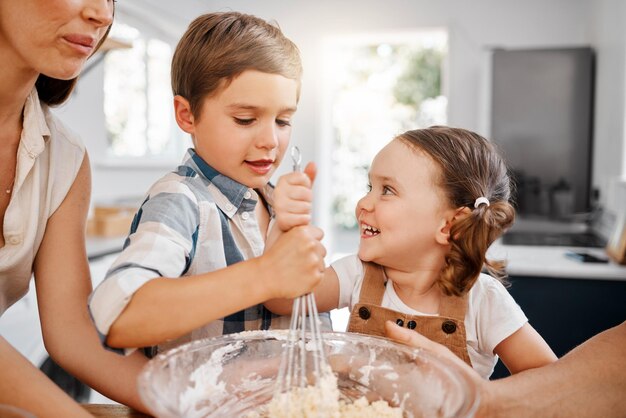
column 551, row 260
column 567, row 301
column 113, row 411
column 548, row 261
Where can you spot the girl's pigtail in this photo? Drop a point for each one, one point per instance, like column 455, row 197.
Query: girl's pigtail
column 470, row 237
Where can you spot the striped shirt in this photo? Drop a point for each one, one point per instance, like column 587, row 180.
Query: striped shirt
column 193, row 221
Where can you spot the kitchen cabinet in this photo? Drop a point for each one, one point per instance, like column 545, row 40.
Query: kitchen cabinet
column 565, row 300
column 567, row 311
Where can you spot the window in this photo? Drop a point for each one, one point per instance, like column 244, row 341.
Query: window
column 380, row 87
column 138, row 99
column 377, row 87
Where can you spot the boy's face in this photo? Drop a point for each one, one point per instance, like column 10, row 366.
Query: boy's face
column 400, row 216
column 244, row 129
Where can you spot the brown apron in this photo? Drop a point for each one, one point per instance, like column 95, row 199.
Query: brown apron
column 368, row 316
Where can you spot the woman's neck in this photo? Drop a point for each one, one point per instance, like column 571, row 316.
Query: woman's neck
column 17, row 83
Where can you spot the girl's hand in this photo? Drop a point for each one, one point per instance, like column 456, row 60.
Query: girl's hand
column 293, row 197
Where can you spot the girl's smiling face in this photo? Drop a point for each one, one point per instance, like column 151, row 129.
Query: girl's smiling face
column 401, row 215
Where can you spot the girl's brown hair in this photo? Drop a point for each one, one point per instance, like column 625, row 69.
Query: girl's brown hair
column 217, row 47
column 469, row 167
column 54, row 91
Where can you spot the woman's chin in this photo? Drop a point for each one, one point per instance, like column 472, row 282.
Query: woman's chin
column 68, row 71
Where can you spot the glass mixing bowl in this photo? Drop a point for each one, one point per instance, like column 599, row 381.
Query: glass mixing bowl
column 231, row 375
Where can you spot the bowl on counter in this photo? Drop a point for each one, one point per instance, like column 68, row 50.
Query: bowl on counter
column 235, row 374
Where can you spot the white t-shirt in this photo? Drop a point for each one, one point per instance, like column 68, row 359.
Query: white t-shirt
column 492, row 314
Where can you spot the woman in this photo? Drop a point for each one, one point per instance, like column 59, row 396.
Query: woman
column 44, row 199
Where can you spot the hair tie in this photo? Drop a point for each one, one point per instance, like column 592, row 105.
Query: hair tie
column 480, row 201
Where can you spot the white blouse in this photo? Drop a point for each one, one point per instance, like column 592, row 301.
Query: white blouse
column 48, row 159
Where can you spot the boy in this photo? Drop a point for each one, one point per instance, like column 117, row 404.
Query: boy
column 236, row 82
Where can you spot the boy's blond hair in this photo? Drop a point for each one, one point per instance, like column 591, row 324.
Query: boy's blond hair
column 217, row 47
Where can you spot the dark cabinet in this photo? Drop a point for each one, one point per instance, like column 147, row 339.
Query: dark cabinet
column 567, row 312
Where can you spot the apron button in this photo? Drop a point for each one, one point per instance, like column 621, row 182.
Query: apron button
column 448, row 327
column 400, row 322
column 411, row 325
column 364, row 313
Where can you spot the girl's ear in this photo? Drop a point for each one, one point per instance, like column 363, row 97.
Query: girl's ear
column 184, row 116
column 443, row 232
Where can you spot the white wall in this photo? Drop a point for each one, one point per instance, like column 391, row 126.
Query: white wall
column 608, row 36
column 474, row 28
column 84, row 113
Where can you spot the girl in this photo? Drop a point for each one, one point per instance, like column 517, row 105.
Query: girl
column 437, row 199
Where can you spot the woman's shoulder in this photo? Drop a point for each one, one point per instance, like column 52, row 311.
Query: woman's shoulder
column 45, row 130
column 60, row 133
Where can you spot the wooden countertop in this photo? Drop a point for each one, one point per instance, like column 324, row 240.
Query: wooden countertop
column 113, row 411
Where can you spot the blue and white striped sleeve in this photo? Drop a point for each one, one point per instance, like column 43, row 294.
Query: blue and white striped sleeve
column 161, row 243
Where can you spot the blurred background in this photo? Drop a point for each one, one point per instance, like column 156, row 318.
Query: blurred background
column 373, row 70
column 546, row 81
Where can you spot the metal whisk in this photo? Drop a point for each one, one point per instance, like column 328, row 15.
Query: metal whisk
column 303, row 363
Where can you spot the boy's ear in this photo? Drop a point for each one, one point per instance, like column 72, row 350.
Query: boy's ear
column 443, row 232
column 184, row 116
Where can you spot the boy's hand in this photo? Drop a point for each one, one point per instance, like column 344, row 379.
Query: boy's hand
column 295, row 263
column 293, row 197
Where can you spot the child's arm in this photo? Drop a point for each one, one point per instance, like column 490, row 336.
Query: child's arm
column 524, row 349
column 164, row 309
column 326, row 296
column 144, row 301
